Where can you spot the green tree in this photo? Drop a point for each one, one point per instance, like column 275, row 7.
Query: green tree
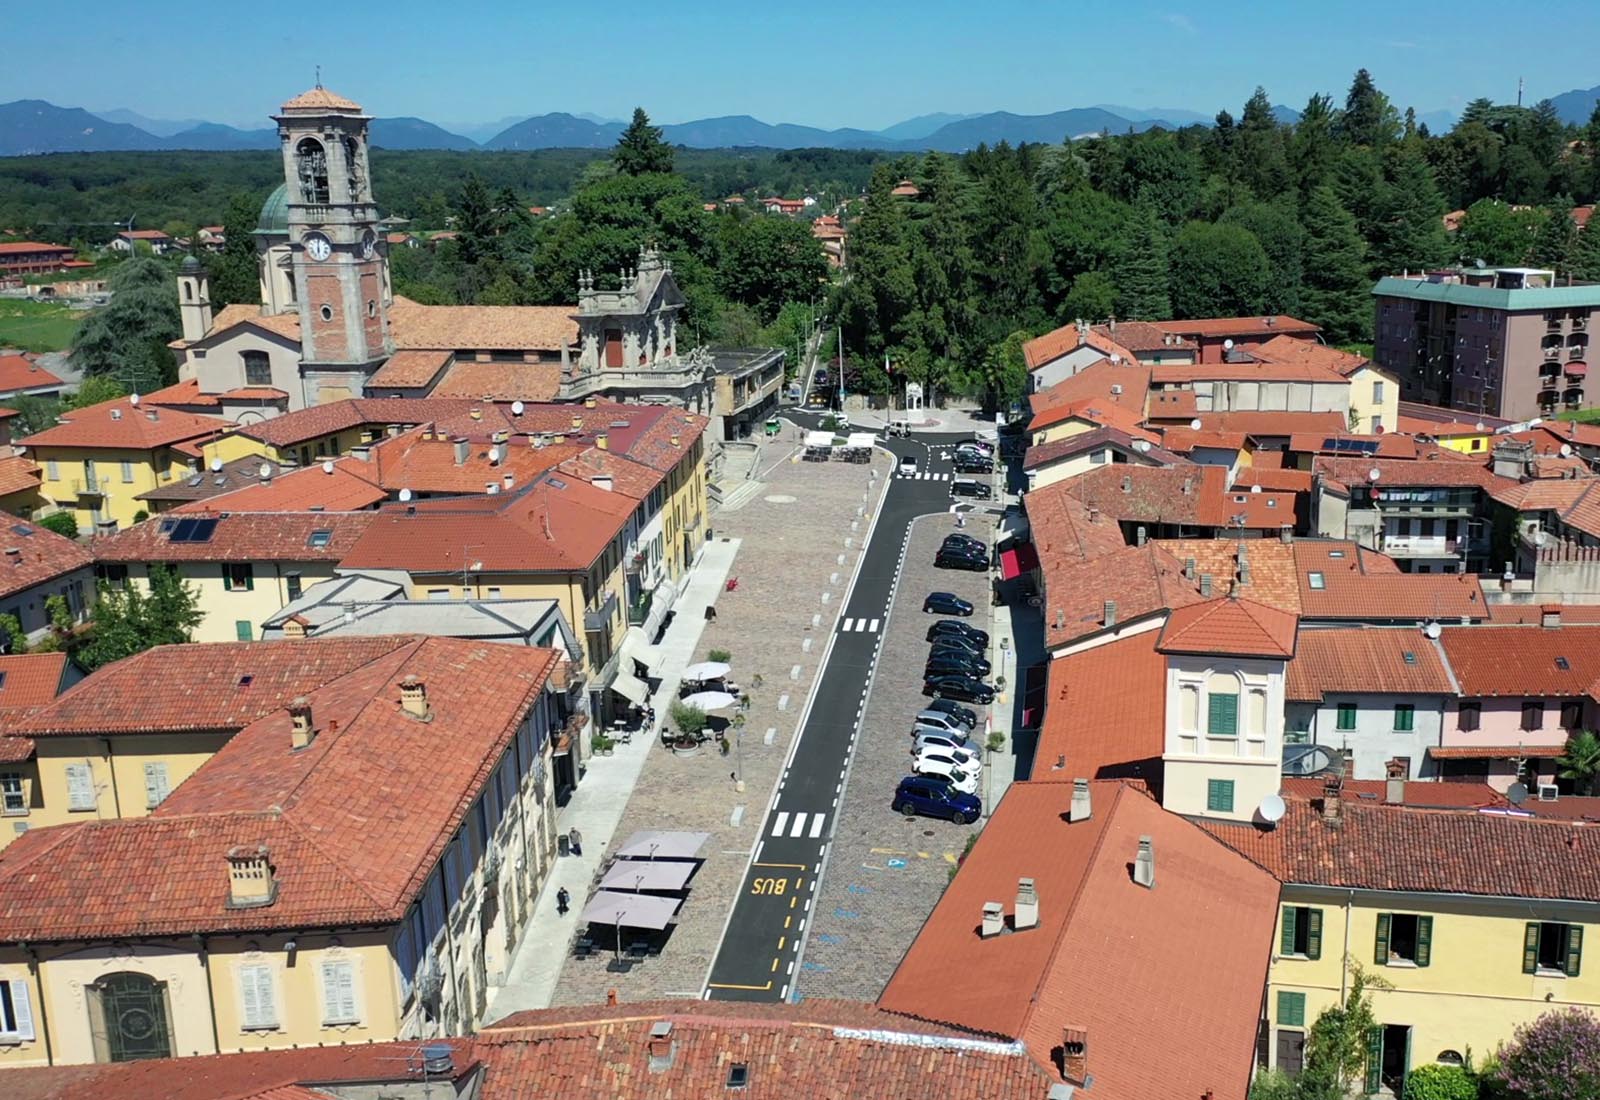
column 1407, row 229
column 234, row 276
column 1336, row 1046
column 1580, row 761
column 1142, row 271
column 476, row 225
column 1557, row 239
column 92, row 391
column 1277, row 226
column 1368, row 118
column 1311, row 150
column 1496, row 233
column 1005, row 371
column 1585, row 256
column 767, row 261
column 1218, row 271
column 689, row 720
column 64, row 524
column 1263, row 156
column 1093, row 297
column 129, row 620
column 640, row 149
column 881, row 291
column 127, row 338
column 1335, row 291
column 1556, row 1057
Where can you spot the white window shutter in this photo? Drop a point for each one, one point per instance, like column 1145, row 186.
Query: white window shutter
column 347, row 991
column 155, row 784
column 80, row 787
column 266, row 997
column 338, row 992
column 250, row 1004
column 255, row 986
column 22, row 1010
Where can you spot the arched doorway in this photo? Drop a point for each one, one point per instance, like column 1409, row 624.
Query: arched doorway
column 129, row 1018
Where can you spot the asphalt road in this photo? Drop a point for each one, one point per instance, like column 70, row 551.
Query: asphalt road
column 756, row 958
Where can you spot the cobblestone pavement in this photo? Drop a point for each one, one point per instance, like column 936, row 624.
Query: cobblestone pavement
column 793, row 535
column 885, row 871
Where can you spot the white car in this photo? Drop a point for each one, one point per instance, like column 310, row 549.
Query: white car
column 934, row 761
column 931, row 764
column 939, row 741
column 908, row 465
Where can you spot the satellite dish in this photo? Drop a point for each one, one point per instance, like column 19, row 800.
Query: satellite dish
column 1195, row 424
column 216, row 465
column 1517, row 794
column 1431, row 630
column 1374, row 474
column 516, row 408
column 1481, row 425
column 1255, row 488
column 1535, row 422
column 405, row 495
column 266, row 470
column 133, row 400
column 1272, row 808
column 1227, row 345
column 327, row 465
column 1566, row 450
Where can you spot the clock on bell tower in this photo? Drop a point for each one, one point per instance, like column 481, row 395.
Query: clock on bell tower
column 340, row 282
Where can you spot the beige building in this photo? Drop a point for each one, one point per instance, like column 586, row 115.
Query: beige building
column 252, row 909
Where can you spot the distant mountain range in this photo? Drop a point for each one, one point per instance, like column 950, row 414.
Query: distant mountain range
column 30, row 126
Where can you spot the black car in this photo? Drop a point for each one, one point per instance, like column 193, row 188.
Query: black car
column 961, row 559
column 967, row 464
column 956, row 626
column 965, row 715
column 959, row 644
column 966, row 487
column 955, row 539
column 941, row 661
column 946, row 603
column 965, row 688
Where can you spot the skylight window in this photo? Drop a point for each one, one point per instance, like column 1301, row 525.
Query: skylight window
column 22, row 529
column 1563, row 664
column 738, row 1075
column 1409, row 657
column 1335, row 553
column 1317, row 581
column 320, row 538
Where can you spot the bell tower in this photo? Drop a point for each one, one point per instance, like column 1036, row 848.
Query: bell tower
column 337, row 254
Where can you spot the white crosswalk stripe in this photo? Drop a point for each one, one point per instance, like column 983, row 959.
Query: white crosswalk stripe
column 778, row 823
column 816, row 826
column 847, row 626
column 873, row 629
column 860, row 626
column 795, row 825
column 799, row 825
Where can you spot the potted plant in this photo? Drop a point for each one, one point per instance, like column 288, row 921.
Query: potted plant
column 601, row 745
column 720, row 655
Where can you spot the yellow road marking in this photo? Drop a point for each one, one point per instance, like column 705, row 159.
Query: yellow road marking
column 774, row 969
column 725, row 985
column 793, row 902
column 786, row 922
column 950, row 857
column 886, row 851
column 797, row 866
column 781, row 941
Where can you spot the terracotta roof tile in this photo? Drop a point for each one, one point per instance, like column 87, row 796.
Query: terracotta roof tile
column 1248, row 327
column 1447, row 470
column 337, row 416
column 1138, row 449
column 245, row 313
column 320, row 99
column 1139, row 336
column 1269, row 423
column 1068, row 338
column 241, row 536
column 1424, row 851
column 1394, row 660
column 1108, row 955
column 346, row 488
column 28, row 682
column 1195, row 496
column 482, row 328
column 184, row 394
column 1492, row 660
column 1239, row 627
column 409, row 370
column 19, row 373
column 1105, row 712
column 1063, row 529
column 1575, row 614
column 1421, row 794
column 501, row 381
column 1093, row 383
column 1292, row 349
column 1340, row 581
column 1270, row 561
column 124, row 425
column 18, row 475
column 42, row 555
column 1141, row 581
column 1182, row 374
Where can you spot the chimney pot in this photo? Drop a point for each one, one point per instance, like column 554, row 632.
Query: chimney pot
column 1144, row 863
column 1139, row 536
column 603, row 441
column 1205, row 585
column 414, row 698
column 462, row 448
column 1075, row 1055
column 1027, row 914
column 302, row 731
column 1550, row 615
column 1188, row 568
column 1110, row 615
column 1394, row 790
column 1081, row 809
column 251, row 880
column 994, row 919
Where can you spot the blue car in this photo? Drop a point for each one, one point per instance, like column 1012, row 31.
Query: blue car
column 933, row 796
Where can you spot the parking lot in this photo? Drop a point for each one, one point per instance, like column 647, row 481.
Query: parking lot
column 885, row 872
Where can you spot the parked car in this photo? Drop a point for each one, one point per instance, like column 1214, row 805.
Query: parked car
column 942, row 742
column 956, row 538
column 965, row 716
column 970, row 463
column 965, row 487
column 948, row 770
column 933, row 797
column 954, row 664
column 945, row 603
column 961, row 559
column 974, row 663
column 965, row 761
column 959, row 642
column 965, row 688
column 956, row 626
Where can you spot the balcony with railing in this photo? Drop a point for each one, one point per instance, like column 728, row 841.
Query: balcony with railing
column 1422, row 546
column 87, row 487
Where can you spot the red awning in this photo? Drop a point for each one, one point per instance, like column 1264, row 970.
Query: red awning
column 1576, row 369
column 1020, row 559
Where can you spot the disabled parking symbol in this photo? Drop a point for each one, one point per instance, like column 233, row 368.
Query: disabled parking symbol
column 895, row 864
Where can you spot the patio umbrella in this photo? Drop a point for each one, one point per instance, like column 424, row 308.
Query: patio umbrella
column 640, row 874
column 706, row 670
column 662, row 844
column 709, row 701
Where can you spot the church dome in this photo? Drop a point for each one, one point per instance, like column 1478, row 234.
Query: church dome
column 191, row 265
column 274, row 220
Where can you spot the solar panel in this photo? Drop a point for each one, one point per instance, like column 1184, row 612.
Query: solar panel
column 21, row 529
column 203, row 530
column 181, row 531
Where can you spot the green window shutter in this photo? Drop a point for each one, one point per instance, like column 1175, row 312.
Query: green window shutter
column 1382, row 949
column 1574, row 949
column 1286, row 941
column 249, row 578
column 1313, row 933
column 1219, row 795
column 1347, row 716
column 1375, row 1056
column 1530, row 947
column 244, row 630
column 1424, row 940
column 1404, row 717
column 1223, row 717
column 1291, row 1009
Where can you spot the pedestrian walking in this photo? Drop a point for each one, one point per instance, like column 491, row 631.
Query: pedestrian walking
column 575, row 838
column 563, row 901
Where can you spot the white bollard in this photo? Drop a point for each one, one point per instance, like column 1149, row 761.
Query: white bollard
column 805, row 645
column 794, row 672
column 855, row 525
column 771, row 734
column 849, row 543
column 816, row 621
column 783, row 701
column 833, row 578
column 841, row 559
column 826, row 596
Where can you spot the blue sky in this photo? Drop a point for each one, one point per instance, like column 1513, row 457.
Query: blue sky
column 867, row 63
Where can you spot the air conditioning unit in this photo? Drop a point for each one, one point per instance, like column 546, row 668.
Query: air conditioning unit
column 1116, row 389
column 1548, row 792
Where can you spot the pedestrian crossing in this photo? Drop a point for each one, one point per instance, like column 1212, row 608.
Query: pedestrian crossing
column 859, row 626
column 924, row 475
column 787, row 824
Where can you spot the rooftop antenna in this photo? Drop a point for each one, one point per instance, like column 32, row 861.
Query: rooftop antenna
column 1519, row 91
column 319, row 84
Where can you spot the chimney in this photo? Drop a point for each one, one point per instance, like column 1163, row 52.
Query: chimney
column 1205, row 585
column 602, row 481
column 1286, row 533
column 589, row 402
column 509, row 480
column 414, row 699
column 1110, row 613
column 603, row 441
column 1394, row 782
column 1188, row 485
column 994, row 919
column 661, row 1047
column 476, row 414
column 1550, row 615
column 1188, row 568
column 14, row 555
column 462, row 449
column 1080, row 810
column 1144, row 863
column 674, row 439
column 152, row 415
column 577, row 422
column 1075, row 1055
column 1332, row 796
column 1094, row 514
column 1127, row 483
column 302, row 732
column 1027, row 915
column 251, row 884
column 1061, row 619
column 1139, row 536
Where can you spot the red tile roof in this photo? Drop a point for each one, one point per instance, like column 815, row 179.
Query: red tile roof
column 18, row 372
column 1416, row 793
column 482, row 328
column 371, row 771
column 1142, row 336
column 1141, row 581
column 346, row 488
column 1292, row 349
column 1362, row 584
column 338, row 416
column 1574, row 614
column 1247, row 327
column 1093, row 384
column 1394, row 660
column 1274, row 478
column 28, row 682
column 1270, row 562
column 184, row 395
column 18, row 248
column 501, row 381
column 1138, row 449
column 18, row 475
column 286, row 325
column 1575, row 502
column 1447, row 470
column 1523, row 661
column 217, row 686
column 1105, row 712
column 1268, row 423
column 1069, row 338
column 42, row 556
column 240, row 537
column 408, row 369
column 1185, row 440
column 1227, row 625
column 121, row 424
column 1376, row 847
column 1183, row 374
column 1064, row 532
column 1108, row 955
column 320, row 98
column 1191, row 495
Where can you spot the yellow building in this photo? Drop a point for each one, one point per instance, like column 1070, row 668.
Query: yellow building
column 242, row 566
column 1470, row 924
column 273, row 900
column 97, row 461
